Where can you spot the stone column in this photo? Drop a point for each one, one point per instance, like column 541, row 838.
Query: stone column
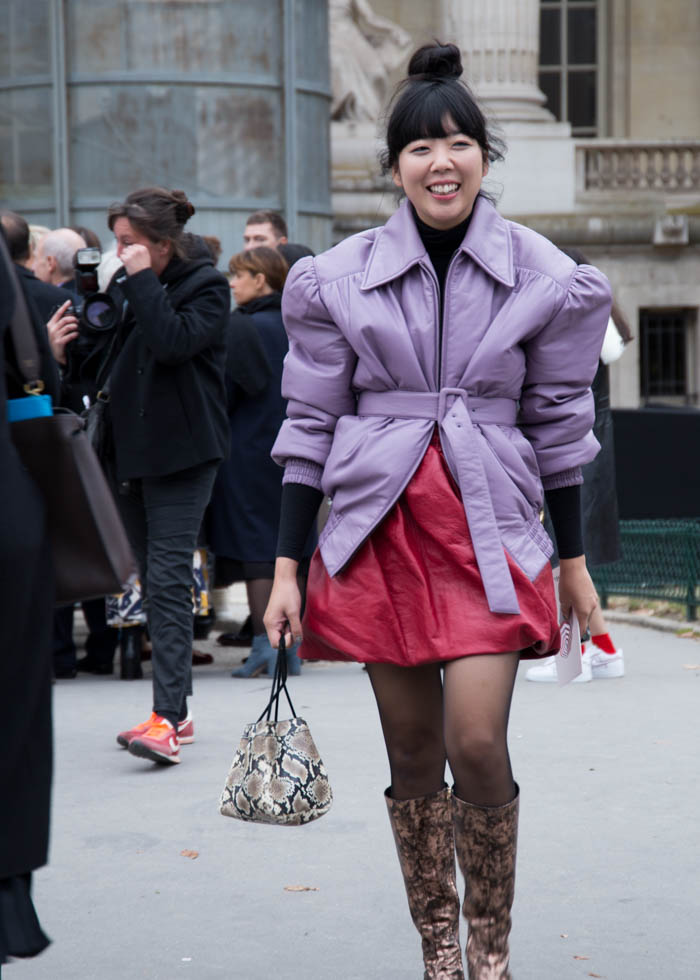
column 499, row 40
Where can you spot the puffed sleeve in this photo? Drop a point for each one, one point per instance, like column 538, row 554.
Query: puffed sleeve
column 318, row 371
column 556, row 404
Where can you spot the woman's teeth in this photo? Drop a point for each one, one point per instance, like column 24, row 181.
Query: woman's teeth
column 443, row 188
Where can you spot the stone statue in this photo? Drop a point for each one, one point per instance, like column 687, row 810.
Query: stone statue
column 365, row 49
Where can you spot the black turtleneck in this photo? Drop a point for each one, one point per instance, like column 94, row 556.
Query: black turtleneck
column 441, row 245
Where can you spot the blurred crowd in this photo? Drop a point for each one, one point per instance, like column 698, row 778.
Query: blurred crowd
column 208, row 385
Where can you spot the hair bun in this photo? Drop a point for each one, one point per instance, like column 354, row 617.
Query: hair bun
column 184, row 209
column 442, row 60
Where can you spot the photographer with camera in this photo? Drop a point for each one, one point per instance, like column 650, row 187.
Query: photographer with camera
column 170, row 431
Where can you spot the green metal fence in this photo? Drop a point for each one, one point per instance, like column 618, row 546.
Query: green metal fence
column 660, row 560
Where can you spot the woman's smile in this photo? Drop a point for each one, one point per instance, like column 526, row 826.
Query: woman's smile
column 441, row 176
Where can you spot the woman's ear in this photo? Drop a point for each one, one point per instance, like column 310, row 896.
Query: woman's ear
column 396, row 176
column 260, row 281
column 485, row 167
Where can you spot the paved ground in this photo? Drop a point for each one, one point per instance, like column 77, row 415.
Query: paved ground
column 608, row 861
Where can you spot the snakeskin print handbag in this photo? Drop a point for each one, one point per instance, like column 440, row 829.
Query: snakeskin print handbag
column 277, row 775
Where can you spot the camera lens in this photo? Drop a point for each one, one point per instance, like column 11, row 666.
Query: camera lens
column 100, row 312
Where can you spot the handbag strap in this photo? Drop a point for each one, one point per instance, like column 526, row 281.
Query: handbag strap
column 23, row 339
column 279, row 684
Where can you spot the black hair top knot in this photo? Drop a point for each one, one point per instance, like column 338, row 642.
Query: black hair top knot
column 441, row 60
column 184, row 209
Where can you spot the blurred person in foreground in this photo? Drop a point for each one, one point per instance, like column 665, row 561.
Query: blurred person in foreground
column 243, row 518
column 26, row 607
column 265, row 228
column 169, row 431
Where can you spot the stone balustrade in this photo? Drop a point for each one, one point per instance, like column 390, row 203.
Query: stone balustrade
column 648, row 168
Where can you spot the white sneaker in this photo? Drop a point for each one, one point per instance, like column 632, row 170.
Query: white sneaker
column 546, row 671
column 607, row 665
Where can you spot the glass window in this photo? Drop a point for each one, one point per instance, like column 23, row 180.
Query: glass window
column 550, row 84
column 581, row 36
column 313, row 164
column 582, row 100
column 569, row 62
column 175, row 35
column 550, row 36
column 210, row 140
column 311, row 35
column 26, row 130
column 24, row 39
column 666, row 359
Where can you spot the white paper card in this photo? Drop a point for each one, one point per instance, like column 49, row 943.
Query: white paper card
column 568, row 660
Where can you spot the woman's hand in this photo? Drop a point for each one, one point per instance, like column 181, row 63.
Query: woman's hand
column 61, row 328
column 576, row 590
column 135, row 258
column 283, row 611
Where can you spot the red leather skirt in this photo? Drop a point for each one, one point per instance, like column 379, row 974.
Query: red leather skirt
column 412, row 593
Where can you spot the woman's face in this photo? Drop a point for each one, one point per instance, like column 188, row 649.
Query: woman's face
column 247, row 286
column 126, row 234
column 441, row 177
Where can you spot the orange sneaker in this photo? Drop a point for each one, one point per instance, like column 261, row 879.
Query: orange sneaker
column 185, row 731
column 158, row 743
column 123, row 738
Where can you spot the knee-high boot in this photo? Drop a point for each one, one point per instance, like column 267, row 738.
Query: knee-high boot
column 425, row 845
column 486, row 840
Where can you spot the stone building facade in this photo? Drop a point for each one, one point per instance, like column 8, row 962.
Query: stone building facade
column 599, row 103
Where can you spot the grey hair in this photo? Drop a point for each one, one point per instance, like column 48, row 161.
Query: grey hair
column 62, row 248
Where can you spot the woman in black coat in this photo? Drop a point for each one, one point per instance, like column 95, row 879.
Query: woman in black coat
column 245, row 506
column 168, row 412
column 26, row 616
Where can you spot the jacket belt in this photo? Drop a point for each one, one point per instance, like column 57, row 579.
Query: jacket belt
column 456, row 412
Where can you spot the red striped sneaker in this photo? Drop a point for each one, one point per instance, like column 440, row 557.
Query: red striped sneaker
column 185, row 730
column 123, row 738
column 158, row 743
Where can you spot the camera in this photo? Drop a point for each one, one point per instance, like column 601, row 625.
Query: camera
column 96, row 311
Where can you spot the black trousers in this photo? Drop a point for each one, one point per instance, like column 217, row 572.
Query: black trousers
column 162, row 516
column 101, row 641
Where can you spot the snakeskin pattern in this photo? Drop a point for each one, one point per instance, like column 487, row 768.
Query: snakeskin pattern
column 486, row 841
column 277, row 776
column 425, row 845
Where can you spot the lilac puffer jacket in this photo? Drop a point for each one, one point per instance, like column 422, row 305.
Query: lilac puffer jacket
column 367, row 380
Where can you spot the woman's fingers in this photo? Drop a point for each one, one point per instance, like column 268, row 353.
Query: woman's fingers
column 283, row 613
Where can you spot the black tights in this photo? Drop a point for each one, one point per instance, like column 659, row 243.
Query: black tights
column 259, row 590
column 463, row 721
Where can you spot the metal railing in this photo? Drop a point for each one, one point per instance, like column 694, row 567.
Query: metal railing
column 660, row 560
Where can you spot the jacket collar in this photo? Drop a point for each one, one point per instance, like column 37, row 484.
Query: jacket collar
column 398, row 246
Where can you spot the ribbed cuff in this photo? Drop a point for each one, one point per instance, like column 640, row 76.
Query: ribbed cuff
column 303, row 471
column 566, row 478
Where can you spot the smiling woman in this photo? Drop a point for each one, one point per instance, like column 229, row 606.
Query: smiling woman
column 435, row 394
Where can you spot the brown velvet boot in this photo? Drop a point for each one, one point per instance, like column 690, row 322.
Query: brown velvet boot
column 486, row 839
column 425, row 845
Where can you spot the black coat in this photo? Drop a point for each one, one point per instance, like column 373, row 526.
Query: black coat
column 245, row 506
column 45, row 297
column 168, row 400
column 26, row 616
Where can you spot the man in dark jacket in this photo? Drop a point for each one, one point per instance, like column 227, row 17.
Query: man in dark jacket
column 44, row 295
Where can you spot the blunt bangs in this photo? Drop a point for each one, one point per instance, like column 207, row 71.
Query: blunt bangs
column 420, row 112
